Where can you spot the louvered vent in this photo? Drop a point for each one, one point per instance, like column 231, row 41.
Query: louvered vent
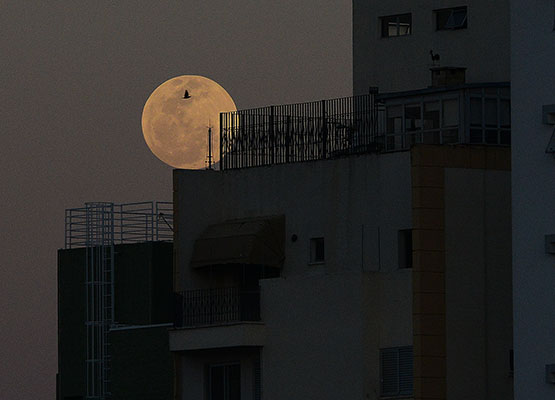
column 396, row 366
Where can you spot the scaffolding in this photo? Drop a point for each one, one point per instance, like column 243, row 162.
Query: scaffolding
column 98, row 227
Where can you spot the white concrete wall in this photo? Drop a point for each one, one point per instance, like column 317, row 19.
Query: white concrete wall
column 387, row 321
column 357, row 204
column 402, row 63
column 478, row 284
column 533, row 186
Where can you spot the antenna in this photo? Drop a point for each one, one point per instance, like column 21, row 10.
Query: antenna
column 209, row 157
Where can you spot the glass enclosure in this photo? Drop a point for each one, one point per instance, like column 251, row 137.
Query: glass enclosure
column 477, row 115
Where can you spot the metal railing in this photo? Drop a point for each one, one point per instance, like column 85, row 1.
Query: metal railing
column 217, row 306
column 298, row 132
column 132, row 223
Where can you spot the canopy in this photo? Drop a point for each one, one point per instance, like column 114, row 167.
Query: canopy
column 257, row 241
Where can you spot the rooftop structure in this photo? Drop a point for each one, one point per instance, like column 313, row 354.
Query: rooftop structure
column 114, row 272
column 371, row 123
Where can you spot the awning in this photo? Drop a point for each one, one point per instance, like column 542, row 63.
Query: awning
column 257, row 241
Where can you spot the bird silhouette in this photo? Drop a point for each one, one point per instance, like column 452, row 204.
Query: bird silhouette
column 435, row 57
column 186, row 95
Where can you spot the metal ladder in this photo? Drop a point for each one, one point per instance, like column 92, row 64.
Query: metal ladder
column 99, row 289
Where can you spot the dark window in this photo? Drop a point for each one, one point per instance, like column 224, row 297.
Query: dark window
column 257, row 395
column 396, row 25
column 224, row 382
column 396, row 366
column 451, row 18
column 405, row 248
column 317, row 253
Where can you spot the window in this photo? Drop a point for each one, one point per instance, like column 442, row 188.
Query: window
column 224, row 382
column 490, row 116
column 404, row 242
column 317, row 253
column 396, row 371
column 396, row 25
column 429, row 122
column 451, row 18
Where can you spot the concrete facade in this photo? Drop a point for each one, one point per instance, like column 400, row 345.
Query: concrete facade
column 325, row 324
column 403, row 62
column 533, row 191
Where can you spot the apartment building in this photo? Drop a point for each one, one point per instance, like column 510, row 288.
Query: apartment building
column 533, row 192
column 351, row 255
column 395, row 43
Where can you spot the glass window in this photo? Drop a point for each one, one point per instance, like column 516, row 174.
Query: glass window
column 396, row 25
column 394, row 119
column 451, row 18
column 224, row 382
column 490, row 111
column 431, row 115
column 505, row 118
column 476, row 111
column 413, row 120
column 450, row 112
column 404, row 246
column 317, row 251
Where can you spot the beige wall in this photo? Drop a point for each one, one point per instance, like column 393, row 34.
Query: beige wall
column 462, row 272
column 402, row 63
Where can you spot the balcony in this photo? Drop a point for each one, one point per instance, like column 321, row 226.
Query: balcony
column 217, row 318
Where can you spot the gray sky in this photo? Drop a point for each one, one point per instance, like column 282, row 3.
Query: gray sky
column 74, row 76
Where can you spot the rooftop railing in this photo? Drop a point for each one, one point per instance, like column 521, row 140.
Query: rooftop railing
column 470, row 114
column 298, row 132
column 129, row 223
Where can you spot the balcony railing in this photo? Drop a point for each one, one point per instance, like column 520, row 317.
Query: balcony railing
column 217, row 306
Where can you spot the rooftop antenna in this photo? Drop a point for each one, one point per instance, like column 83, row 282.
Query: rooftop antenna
column 209, row 157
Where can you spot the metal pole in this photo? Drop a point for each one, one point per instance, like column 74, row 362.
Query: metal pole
column 324, row 130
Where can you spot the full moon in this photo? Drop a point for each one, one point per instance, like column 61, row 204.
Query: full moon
column 176, row 118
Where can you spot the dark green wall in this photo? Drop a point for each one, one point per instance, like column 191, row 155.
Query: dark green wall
column 143, row 296
column 142, row 365
column 71, row 323
column 143, row 283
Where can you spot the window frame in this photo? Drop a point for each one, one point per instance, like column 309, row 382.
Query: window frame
column 398, row 25
column 225, row 366
column 452, row 10
column 404, row 139
column 404, row 247
column 312, row 250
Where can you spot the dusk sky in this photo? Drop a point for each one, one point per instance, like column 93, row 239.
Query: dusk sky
column 74, row 78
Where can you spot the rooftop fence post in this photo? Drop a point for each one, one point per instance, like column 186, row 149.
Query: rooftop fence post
column 324, row 130
column 272, row 139
column 222, row 166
